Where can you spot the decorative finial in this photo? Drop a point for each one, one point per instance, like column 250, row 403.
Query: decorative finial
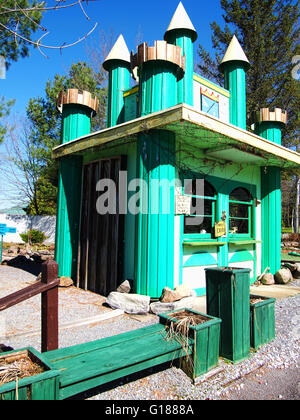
column 235, row 53
column 119, row 52
column 181, row 20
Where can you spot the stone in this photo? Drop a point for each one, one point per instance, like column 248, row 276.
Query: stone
column 124, row 287
column 65, row 282
column 268, row 279
column 160, row 307
column 129, row 303
column 169, row 295
column 184, row 290
column 283, row 276
column 296, row 273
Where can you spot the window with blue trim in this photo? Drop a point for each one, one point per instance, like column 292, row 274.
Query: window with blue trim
column 201, row 220
column 240, row 212
column 210, row 102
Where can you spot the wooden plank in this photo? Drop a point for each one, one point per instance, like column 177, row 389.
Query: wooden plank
column 91, row 383
column 101, row 362
column 61, row 354
column 27, row 293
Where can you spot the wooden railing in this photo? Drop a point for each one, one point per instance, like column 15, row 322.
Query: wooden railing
column 48, row 288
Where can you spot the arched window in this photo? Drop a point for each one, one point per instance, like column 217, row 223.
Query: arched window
column 240, row 212
column 203, row 208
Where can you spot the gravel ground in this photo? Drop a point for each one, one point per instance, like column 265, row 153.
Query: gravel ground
column 270, row 373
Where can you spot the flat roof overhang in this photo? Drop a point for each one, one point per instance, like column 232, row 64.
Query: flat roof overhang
column 213, row 137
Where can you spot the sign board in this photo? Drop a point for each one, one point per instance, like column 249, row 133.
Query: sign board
column 4, row 229
column 183, row 205
column 220, row 229
column 11, row 230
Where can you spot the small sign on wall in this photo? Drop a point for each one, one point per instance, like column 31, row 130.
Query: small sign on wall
column 183, row 205
column 220, row 229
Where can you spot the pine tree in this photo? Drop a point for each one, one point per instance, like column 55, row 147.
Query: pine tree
column 268, row 33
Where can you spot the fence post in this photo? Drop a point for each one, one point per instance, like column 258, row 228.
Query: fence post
column 49, row 308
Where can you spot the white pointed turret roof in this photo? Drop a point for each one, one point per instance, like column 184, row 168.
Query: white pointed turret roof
column 118, row 52
column 235, row 53
column 181, row 20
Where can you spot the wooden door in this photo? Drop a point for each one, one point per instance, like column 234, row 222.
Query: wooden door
column 101, row 236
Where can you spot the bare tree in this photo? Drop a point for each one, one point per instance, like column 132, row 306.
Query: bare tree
column 13, row 17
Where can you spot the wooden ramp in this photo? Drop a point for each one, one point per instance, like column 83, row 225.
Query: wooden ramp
column 86, row 366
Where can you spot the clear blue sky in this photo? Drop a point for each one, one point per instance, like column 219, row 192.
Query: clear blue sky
column 27, row 78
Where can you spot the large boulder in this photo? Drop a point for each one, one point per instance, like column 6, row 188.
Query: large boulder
column 283, row 276
column 268, row 279
column 169, row 295
column 124, row 287
column 65, row 282
column 180, row 292
column 162, row 307
column 129, row 303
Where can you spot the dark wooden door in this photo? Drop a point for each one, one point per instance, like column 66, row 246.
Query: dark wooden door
column 101, row 235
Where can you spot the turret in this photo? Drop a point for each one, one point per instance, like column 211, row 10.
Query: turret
column 159, row 68
column 268, row 124
column 117, row 63
column 182, row 33
column 77, row 109
column 235, row 64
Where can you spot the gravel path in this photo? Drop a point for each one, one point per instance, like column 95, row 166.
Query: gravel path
column 254, row 378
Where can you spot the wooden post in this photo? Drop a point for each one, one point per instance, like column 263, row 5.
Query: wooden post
column 49, row 307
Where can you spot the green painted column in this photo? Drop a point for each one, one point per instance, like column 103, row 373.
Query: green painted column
column 155, row 221
column 234, row 66
column 118, row 82
column 235, row 82
column 158, row 86
column 117, row 63
column 181, row 32
column 76, row 122
column 156, row 171
column 268, row 125
column 184, row 39
column 271, row 218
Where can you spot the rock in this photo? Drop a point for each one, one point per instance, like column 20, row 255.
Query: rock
column 169, row 295
column 65, row 282
column 129, row 303
column 124, row 287
column 268, row 279
column 283, row 276
column 160, row 307
column 296, row 273
column 183, row 290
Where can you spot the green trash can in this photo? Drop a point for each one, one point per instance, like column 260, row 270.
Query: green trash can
column 228, row 298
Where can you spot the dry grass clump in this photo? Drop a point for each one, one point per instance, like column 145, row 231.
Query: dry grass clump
column 13, row 368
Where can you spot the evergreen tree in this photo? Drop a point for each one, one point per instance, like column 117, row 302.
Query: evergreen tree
column 268, row 32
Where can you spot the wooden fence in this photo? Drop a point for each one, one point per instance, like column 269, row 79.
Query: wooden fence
column 48, row 288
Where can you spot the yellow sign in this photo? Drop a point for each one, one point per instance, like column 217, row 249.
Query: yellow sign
column 220, row 229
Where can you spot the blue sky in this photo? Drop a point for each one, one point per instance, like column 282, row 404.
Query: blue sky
column 27, row 78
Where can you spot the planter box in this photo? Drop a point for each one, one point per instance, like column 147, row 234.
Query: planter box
column 205, row 342
column 43, row 386
column 228, row 298
column 262, row 321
